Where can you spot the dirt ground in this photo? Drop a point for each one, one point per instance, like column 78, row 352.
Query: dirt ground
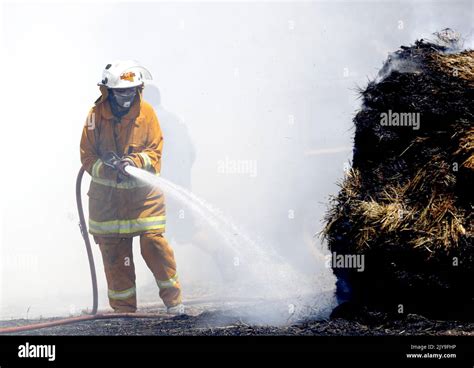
column 208, row 321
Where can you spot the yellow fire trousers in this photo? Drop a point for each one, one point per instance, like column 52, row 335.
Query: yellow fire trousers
column 119, row 268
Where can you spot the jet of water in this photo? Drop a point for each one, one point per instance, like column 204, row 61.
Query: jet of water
column 262, row 273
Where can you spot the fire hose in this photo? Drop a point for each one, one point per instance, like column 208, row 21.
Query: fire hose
column 66, row 321
column 93, row 314
column 85, row 236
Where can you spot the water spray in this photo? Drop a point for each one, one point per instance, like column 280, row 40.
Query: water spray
column 262, row 261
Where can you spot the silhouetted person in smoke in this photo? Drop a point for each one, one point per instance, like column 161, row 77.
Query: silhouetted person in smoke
column 179, row 155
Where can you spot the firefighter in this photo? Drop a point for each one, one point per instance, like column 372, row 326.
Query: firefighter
column 121, row 130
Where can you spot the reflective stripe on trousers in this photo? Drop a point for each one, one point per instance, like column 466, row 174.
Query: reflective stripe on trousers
column 123, row 294
column 172, row 282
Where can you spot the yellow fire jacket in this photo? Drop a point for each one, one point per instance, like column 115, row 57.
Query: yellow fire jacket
column 130, row 207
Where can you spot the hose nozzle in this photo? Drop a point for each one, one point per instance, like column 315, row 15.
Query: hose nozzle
column 110, row 159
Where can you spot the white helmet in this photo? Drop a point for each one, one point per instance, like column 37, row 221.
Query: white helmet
column 124, row 74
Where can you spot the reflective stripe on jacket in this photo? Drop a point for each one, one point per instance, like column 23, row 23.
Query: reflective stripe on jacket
column 130, row 207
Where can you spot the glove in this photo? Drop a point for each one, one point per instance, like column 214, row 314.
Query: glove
column 111, row 159
column 120, row 167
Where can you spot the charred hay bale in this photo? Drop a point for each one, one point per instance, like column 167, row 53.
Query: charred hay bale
column 406, row 205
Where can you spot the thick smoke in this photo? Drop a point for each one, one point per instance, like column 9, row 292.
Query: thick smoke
column 266, row 105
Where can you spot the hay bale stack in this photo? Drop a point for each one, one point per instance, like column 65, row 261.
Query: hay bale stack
column 406, row 204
